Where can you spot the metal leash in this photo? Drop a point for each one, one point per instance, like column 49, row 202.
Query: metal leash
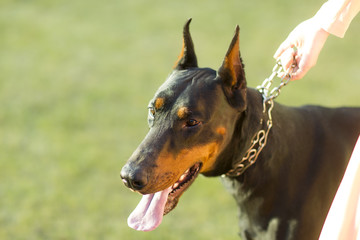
column 277, row 71
column 259, row 140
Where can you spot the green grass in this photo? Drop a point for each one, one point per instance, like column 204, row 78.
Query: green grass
column 75, row 80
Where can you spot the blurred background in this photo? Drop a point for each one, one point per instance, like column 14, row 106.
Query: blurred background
column 75, row 81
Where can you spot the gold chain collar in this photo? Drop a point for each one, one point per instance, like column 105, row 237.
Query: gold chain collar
column 259, row 140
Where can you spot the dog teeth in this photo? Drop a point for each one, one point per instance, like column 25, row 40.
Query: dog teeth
column 175, row 185
column 182, row 178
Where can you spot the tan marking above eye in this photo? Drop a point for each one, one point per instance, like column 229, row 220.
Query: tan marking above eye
column 182, row 112
column 221, row 130
column 159, row 102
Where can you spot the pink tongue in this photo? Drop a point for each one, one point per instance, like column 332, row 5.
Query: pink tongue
column 149, row 212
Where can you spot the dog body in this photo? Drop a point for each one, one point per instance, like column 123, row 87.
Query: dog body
column 288, row 192
column 202, row 121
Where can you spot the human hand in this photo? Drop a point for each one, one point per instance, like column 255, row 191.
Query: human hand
column 303, row 45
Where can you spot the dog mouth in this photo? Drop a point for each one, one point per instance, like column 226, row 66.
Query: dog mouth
column 152, row 207
column 180, row 186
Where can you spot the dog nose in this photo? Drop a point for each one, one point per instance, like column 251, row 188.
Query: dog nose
column 133, row 179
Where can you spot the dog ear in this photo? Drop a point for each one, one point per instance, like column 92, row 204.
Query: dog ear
column 232, row 74
column 187, row 58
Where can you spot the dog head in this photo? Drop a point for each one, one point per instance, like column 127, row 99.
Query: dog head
column 192, row 118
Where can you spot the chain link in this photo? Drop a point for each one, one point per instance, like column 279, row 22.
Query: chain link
column 259, row 140
column 278, row 71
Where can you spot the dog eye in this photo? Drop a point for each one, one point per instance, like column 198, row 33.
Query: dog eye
column 151, row 113
column 192, row 123
column 151, row 116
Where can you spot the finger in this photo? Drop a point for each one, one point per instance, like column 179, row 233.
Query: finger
column 287, row 59
column 298, row 75
column 300, row 72
column 291, row 63
column 283, row 47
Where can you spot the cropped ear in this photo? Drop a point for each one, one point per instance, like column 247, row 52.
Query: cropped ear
column 232, row 74
column 187, row 58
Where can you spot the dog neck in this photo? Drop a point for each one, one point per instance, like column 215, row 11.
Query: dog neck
column 248, row 123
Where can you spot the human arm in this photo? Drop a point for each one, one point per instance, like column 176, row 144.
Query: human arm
column 309, row 37
column 342, row 221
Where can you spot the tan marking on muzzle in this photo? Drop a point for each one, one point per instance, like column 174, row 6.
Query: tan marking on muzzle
column 175, row 166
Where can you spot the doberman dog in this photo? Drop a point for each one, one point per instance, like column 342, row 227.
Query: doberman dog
column 203, row 121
